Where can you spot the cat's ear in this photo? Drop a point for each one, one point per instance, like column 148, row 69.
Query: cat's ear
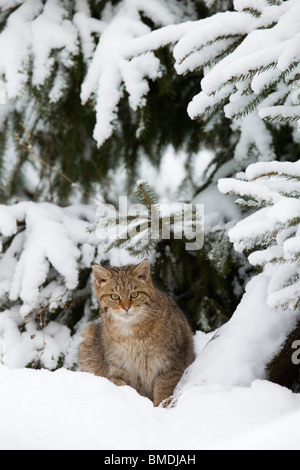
column 142, row 270
column 101, row 274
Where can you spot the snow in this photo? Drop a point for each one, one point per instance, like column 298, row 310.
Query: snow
column 70, row 410
column 283, row 112
column 33, row 31
column 254, row 132
column 273, row 187
column 248, row 341
column 237, row 51
column 19, row 349
column 228, row 185
column 14, row 42
column 216, row 208
column 50, row 239
column 201, row 102
column 86, row 26
column 51, row 30
column 157, row 39
column 240, row 5
column 264, row 79
column 109, row 72
column 210, row 29
column 288, row 168
column 170, row 175
column 266, row 53
column 8, row 224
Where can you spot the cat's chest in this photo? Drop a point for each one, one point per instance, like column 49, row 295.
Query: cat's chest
column 138, row 356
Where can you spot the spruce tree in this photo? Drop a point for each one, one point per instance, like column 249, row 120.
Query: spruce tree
column 63, row 64
column 56, row 148
column 250, row 61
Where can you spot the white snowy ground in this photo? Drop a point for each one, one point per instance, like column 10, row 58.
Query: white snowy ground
column 73, row 410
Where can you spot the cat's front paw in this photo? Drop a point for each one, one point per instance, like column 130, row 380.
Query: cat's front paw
column 117, row 381
column 166, row 403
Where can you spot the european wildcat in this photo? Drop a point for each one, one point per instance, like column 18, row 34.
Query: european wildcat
column 143, row 339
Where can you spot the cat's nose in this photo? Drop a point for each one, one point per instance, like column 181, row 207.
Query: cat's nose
column 126, row 307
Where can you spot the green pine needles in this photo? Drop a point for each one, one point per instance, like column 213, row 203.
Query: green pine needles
column 142, row 226
column 270, row 236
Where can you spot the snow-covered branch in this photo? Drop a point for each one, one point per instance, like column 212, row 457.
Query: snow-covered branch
column 44, row 247
column 251, row 64
column 272, row 233
column 41, row 42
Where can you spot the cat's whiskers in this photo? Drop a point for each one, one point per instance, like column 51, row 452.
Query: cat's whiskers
column 105, row 315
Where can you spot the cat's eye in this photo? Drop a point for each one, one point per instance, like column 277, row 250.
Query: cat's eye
column 115, row 296
column 134, row 295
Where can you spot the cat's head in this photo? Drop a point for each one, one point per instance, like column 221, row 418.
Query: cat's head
column 124, row 293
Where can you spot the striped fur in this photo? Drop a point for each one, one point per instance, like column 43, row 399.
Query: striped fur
column 144, row 342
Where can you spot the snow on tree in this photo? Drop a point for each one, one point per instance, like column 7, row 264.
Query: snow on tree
column 271, row 234
column 259, row 337
column 45, row 275
column 109, row 74
column 86, row 60
column 60, row 56
column 219, row 5
column 149, row 222
column 250, row 61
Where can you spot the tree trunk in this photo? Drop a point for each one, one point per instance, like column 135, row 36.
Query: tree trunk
column 281, row 369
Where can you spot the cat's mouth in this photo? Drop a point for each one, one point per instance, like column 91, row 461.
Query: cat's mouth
column 127, row 316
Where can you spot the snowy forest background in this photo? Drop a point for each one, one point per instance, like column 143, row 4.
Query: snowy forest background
column 199, row 100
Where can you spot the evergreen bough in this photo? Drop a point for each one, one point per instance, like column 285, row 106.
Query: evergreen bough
column 271, row 235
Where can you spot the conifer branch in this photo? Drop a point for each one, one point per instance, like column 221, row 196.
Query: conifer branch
column 141, row 188
column 25, row 143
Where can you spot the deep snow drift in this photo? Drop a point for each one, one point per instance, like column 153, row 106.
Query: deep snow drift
column 73, row 410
